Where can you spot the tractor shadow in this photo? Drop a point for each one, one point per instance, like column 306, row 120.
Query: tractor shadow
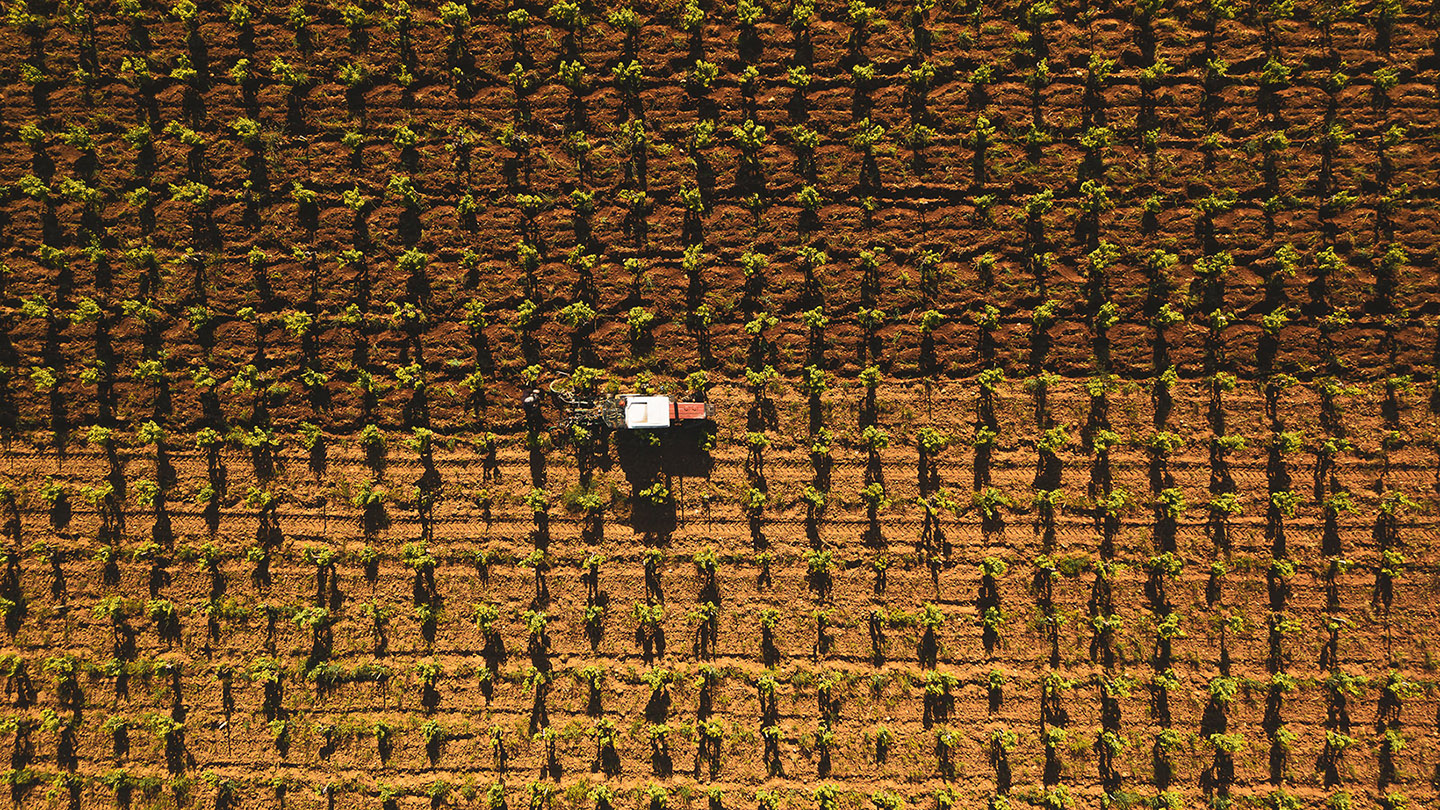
column 656, row 464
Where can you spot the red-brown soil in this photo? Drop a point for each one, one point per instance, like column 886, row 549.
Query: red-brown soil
column 1124, row 458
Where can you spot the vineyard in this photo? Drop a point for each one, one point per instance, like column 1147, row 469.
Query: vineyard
column 1077, row 438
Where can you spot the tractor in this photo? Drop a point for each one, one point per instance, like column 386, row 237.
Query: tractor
column 618, row 412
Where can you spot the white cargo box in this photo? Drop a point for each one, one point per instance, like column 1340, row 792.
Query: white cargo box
column 647, row 412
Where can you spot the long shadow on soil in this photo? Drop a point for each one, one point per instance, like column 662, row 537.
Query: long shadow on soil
column 663, row 459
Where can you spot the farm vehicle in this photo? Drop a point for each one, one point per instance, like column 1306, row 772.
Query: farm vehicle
column 618, row 411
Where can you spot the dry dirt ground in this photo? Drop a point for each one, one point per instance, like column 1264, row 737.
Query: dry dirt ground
column 1074, row 369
